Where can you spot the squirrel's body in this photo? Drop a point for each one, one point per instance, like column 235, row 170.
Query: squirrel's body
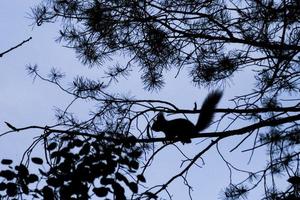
column 183, row 129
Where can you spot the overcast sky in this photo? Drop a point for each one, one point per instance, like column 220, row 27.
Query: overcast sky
column 26, row 102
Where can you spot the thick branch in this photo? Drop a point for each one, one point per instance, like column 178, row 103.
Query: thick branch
column 241, row 131
column 223, row 134
column 239, row 111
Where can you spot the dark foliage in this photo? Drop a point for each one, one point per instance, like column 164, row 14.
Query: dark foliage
column 80, row 169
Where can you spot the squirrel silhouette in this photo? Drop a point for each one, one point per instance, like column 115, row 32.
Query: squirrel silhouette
column 183, row 129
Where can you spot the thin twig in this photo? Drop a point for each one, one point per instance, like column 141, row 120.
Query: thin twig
column 18, row 45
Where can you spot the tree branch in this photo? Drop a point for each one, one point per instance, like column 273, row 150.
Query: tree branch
column 18, row 45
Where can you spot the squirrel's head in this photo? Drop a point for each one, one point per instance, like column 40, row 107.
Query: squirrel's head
column 159, row 123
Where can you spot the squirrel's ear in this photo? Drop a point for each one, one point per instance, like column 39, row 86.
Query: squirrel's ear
column 160, row 116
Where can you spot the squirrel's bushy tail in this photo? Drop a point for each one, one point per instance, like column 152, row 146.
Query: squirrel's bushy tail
column 207, row 110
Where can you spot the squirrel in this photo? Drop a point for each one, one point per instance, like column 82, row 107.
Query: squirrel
column 184, row 129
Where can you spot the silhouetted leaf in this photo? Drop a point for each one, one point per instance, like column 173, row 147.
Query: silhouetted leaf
column 68, row 155
column 11, row 189
column 83, row 172
column 118, row 191
column 52, row 146
column 135, row 154
column 56, row 155
column 48, row 193
column 95, row 145
column 85, row 149
column 101, row 192
column 294, row 180
column 64, row 167
column 121, row 177
column 133, row 187
column 78, row 143
column 2, row 186
column 32, row 178
column 22, row 170
column 64, row 151
column 131, row 141
column 97, row 169
column 6, row 161
column 25, row 188
column 37, row 160
column 110, row 167
column 70, row 145
column 55, row 182
column 124, row 161
column 65, row 192
column 141, row 178
column 134, row 164
column 106, row 181
column 8, row 174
